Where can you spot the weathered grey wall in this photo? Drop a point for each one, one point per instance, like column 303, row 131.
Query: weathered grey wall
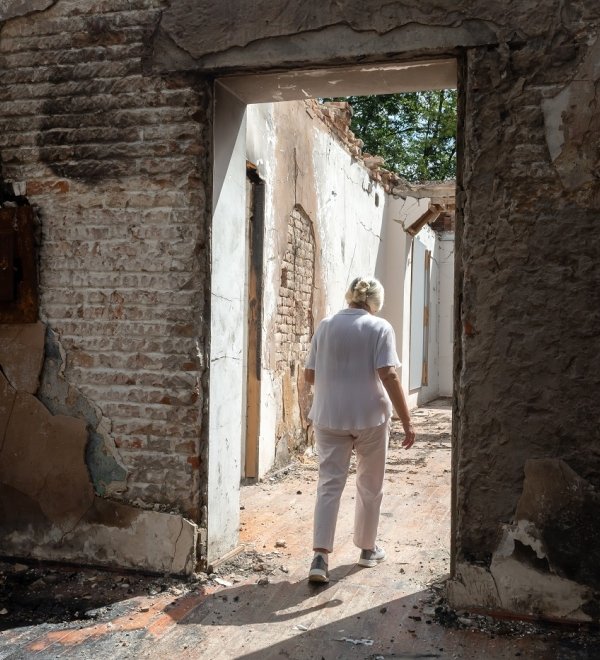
column 527, row 360
column 530, row 297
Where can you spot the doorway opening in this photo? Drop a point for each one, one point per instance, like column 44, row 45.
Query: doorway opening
column 328, row 213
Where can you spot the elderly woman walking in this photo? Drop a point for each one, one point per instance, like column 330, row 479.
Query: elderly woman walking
column 352, row 364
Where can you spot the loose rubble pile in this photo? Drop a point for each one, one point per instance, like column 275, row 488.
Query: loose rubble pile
column 251, row 564
column 583, row 641
column 40, row 593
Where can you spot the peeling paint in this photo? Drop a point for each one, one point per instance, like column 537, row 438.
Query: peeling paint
column 108, row 474
column 572, row 124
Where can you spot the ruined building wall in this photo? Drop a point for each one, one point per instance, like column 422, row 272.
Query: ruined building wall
column 323, row 218
column 103, row 147
column 115, row 162
column 529, row 298
column 331, row 213
column 526, row 347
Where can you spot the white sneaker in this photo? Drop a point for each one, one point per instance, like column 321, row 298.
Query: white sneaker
column 370, row 558
column 318, row 569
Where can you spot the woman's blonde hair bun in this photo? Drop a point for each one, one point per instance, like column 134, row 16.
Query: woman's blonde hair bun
column 366, row 291
column 359, row 292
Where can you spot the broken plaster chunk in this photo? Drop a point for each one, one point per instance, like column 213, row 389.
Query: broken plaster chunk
column 55, row 445
column 223, row 583
column 561, row 506
column 524, row 533
column 472, row 586
column 525, row 588
column 111, row 534
column 361, row 641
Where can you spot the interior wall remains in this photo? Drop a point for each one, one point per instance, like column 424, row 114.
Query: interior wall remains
column 346, row 223
column 323, row 207
column 116, row 156
column 116, row 165
column 527, row 182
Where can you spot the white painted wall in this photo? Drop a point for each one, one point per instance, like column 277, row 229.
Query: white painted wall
column 347, row 223
column 355, row 236
column 427, row 392
column 228, row 296
column 431, row 390
column 349, row 220
column 392, row 258
column 261, row 150
column 446, row 312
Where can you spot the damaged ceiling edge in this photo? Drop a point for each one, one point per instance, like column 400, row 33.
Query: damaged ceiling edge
column 266, row 51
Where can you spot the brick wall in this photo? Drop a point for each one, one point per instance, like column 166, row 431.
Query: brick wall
column 294, row 326
column 294, row 318
column 115, row 161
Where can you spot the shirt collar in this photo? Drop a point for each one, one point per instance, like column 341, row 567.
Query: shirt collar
column 353, row 310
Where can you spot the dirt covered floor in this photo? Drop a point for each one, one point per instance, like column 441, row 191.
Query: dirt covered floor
column 258, row 603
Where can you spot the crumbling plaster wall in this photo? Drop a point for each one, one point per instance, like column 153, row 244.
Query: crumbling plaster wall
column 48, row 508
column 309, row 160
column 309, row 173
column 116, row 163
column 526, row 362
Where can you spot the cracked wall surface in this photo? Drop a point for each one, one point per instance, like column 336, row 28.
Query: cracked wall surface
column 115, row 163
column 14, row 8
column 48, row 508
column 529, row 358
column 546, row 561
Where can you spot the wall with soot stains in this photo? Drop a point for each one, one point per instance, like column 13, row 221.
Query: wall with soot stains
column 115, row 163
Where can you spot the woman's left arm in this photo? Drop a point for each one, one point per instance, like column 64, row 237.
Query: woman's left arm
column 391, row 382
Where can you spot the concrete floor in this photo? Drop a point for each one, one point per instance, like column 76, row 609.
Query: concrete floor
column 259, row 605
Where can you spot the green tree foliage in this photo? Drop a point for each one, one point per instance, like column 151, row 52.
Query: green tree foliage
column 415, row 132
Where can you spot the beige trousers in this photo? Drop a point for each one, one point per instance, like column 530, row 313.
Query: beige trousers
column 335, row 449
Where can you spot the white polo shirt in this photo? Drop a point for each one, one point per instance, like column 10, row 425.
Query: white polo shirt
column 345, row 352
